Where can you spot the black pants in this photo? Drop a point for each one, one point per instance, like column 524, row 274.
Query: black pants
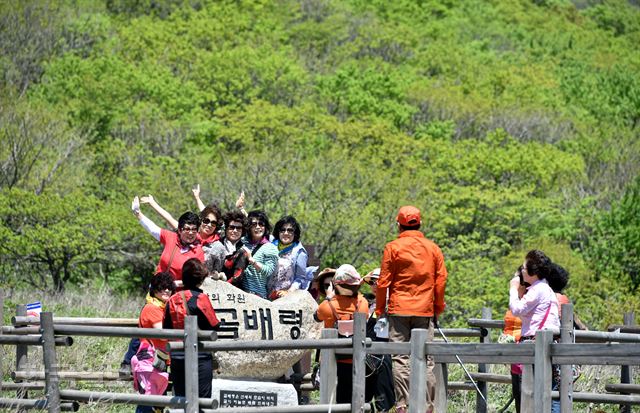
column 516, row 383
column 379, row 384
column 205, row 375
column 345, row 383
column 134, row 345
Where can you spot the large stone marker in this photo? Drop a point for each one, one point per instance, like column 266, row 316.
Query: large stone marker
column 248, row 317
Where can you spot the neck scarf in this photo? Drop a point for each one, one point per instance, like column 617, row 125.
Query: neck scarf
column 155, row 301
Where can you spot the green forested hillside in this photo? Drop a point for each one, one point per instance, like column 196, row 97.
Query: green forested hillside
column 512, row 125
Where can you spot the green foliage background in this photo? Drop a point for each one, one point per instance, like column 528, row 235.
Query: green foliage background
column 512, row 125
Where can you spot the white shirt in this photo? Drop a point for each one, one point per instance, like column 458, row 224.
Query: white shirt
column 533, row 307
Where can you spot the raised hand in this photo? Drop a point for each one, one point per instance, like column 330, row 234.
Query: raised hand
column 147, row 199
column 135, row 205
column 240, row 201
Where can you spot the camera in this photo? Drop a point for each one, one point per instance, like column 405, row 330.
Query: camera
column 521, row 277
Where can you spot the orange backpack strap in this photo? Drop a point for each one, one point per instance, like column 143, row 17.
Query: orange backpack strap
column 335, row 314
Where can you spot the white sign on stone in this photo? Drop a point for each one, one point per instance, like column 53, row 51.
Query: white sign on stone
column 237, row 393
column 248, row 317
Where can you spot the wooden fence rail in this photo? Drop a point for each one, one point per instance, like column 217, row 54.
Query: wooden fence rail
column 536, row 392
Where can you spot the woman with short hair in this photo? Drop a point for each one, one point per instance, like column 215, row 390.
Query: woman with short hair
column 262, row 255
column 179, row 246
column 224, row 260
column 149, row 364
column 210, row 216
column 292, row 271
column 538, row 307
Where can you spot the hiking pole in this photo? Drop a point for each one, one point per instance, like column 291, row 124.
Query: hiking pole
column 435, row 322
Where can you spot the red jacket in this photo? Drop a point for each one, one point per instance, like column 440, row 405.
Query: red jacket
column 176, row 254
column 413, row 271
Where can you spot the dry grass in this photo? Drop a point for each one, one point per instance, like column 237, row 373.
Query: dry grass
column 105, row 354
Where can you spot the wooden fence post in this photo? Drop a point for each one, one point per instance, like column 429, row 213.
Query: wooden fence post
column 542, row 375
column 191, row 385
column 481, row 406
column 418, row 375
column 1, row 321
column 22, row 359
column 566, row 370
column 328, row 369
column 358, row 367
column 625, row 371
column 442, row 377
column 52, row 381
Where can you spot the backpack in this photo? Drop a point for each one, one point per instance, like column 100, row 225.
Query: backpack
column 344, row 327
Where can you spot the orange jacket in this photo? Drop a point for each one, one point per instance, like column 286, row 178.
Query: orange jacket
column 512, row 325
column 413, row 271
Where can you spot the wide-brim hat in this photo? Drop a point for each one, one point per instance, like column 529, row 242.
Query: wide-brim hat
column 322, row 275
column 372, row 275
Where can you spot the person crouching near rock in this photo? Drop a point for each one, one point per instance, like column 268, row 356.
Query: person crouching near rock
column 149, row 364
column 341, row 307
column 191, row 301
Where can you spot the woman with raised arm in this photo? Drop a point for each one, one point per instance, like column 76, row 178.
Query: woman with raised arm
column 210, row 217
column 292, row 271
column 201, row 206
column 261, row 254
column 179, row 246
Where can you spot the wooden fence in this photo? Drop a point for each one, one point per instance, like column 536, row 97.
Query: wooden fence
column 612, row 348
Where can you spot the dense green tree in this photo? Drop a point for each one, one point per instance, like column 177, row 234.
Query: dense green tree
column 511, row 124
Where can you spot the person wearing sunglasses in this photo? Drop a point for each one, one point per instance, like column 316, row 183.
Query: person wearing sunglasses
column 262, row 255
column 321, row 287
column 226, row 261
column 179, row 246
column 292, row 273
column 210, row 216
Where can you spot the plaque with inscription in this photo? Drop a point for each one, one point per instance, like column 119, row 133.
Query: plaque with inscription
column 234, row 398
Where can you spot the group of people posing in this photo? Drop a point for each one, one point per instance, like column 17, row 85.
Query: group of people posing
column 245, row 253
column 241, row 248
column 237, row 247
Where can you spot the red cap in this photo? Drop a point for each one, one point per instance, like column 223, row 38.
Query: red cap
column 408, row 216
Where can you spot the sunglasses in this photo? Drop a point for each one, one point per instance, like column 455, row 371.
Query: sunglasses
column 257, row 224
column 235, row 227
column 207, row 221
column 287, row 231
column 326, row 285
column 371, row 281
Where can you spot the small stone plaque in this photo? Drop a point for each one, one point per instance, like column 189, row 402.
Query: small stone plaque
column 235, row 398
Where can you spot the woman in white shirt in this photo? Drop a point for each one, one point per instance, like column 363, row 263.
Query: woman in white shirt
column 538, row 307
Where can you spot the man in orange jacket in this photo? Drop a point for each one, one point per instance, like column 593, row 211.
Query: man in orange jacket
column 414, row 273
